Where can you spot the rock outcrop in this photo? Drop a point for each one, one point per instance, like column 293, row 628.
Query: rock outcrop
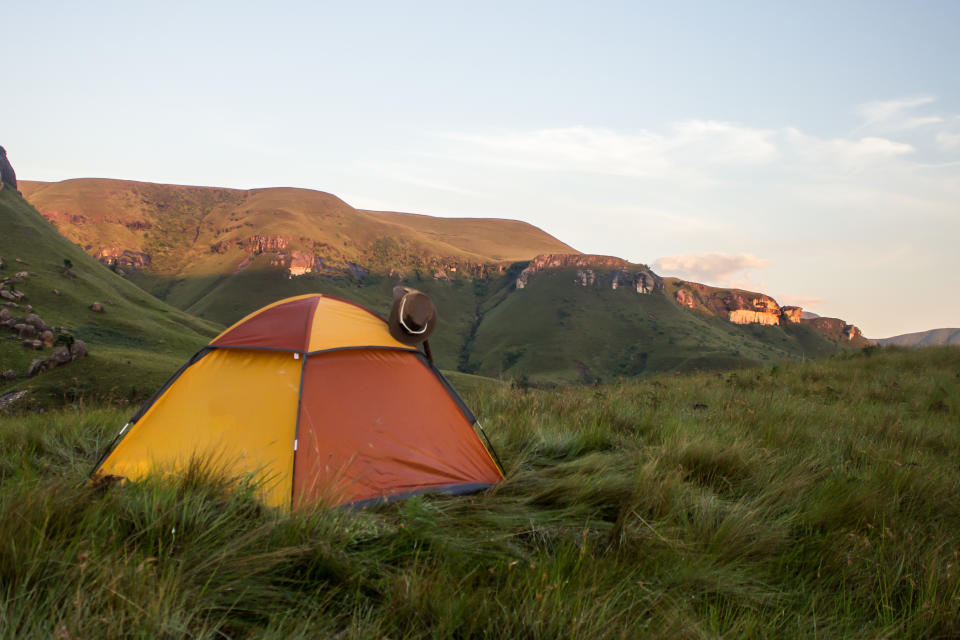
column 61, row 355
column 791, row 314
column 302, row 262
column 839, row 331
column 123, row 257
column 7, row 175
column 739, row 307
column 594, row 270
column 260, row 244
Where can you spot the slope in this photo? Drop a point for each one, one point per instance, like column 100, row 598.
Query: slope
column 222, row 253
column 181, row 232
column 134, row 343
column 559, row 328
column 931, row 338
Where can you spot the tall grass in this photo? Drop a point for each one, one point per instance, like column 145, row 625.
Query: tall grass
column 816, row 500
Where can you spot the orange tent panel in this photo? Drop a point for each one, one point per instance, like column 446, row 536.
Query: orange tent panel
column 376, row 423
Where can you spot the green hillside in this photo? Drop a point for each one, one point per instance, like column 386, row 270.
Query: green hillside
column 556, row 330
column 134, row 344
column 811, row 500
column 189, row 232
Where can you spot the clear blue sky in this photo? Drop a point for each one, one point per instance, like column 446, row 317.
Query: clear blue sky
column 808, row 150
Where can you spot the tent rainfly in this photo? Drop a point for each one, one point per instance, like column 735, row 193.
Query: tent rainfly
column 313, row 398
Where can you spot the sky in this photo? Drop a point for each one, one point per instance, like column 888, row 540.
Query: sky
column 809, row 150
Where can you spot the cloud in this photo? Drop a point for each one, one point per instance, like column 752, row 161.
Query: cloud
column 694, row 153
column 710, row 268
column 681, row 151
column 799, row 301
column 842, row 152
column 892, row 114
column 948, row 141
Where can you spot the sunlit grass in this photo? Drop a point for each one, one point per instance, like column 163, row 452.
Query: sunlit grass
column 804, row 501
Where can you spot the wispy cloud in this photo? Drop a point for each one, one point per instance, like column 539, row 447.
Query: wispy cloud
column 948, row 140
column 895, row 114
column 642, row 154
column 696, row 153
column 711, row 268
column 806, row 302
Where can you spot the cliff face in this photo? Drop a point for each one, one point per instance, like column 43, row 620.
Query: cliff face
column 594, row 270
column 839, row 331
column 7, row 175
column 747, row 307
column 791, row 314
column 122, row 257
column 739, row 307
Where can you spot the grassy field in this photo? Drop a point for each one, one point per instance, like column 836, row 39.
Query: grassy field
column 808, row 500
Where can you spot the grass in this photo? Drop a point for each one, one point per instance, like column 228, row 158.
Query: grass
column 806, row 500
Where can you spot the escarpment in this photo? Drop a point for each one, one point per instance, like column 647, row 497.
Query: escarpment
column 595, row 270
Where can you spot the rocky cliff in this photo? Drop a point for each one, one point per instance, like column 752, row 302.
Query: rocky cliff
column 839, row 331
column 7, row 175
column 748, row 307
column 595, row 270
column 737, row 306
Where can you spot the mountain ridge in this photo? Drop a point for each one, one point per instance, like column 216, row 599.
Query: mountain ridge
column 931, row 337
column 514, row 301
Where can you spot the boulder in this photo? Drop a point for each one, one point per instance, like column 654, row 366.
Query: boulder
column 97, row 307
column 36, row 322
column 78, row 349
column 9, row 374
column 24, row 331
column 36, row 345
column 5, row 314
column 36, row 367
column 56, row 292
column 21, row 275
column 47, row 338
column 28, row 308
column 60, row 355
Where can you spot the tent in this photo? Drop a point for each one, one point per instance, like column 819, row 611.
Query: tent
column 316, row 400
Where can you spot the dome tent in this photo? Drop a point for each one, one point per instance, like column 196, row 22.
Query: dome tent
column 315, row 399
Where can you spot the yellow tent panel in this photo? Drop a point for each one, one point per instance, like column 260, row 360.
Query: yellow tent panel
column 239, row 407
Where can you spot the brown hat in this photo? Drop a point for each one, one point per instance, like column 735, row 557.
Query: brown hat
column 413, row 317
